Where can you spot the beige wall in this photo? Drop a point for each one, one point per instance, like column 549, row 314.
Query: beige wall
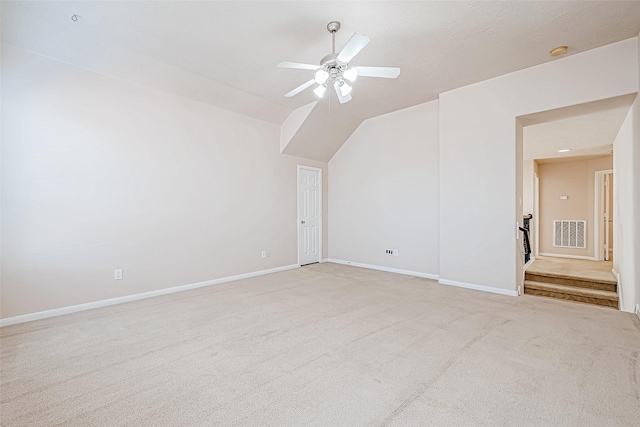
column 99, row 174
column 575, row 179
column 529, row 171
column 528, row 183
column 383, row 192
column 635, row 187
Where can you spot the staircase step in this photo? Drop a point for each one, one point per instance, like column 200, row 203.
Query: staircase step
column 572, row 293
column 581, row 282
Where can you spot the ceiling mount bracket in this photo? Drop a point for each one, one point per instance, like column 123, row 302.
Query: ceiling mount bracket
column 333, row 27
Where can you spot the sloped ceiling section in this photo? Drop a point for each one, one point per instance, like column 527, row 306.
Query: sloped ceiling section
column 225, row 53
column 320, row 134
column 292, row 124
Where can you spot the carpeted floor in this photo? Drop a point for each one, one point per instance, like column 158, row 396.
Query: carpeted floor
column 325, row 345
column 568, row 267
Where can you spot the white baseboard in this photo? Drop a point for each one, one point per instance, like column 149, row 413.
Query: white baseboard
column 590, row 258
column 128, row 298
column 619, row 289
column 429, row 276
column 483, row 288
column 388, row 269
column 623, row 305
column 524, row 267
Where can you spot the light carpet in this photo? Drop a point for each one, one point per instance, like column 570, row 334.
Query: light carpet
column 325, row 345
column 573, row 268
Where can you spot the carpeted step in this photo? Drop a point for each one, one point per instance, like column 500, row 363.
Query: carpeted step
column 572, row 293
column 575, row 281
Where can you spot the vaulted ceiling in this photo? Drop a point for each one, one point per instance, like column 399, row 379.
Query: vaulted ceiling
column 225, row 53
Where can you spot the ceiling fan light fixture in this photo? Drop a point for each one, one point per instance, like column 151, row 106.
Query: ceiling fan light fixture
column 321, row 76
column 334, row 68
column 345, row 89
column 319, row 91
column 351, row 74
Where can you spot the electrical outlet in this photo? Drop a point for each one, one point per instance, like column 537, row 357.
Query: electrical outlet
column 393, row 252
column 117, row 274
column 266, row 254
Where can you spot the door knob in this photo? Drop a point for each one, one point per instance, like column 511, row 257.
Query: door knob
column 302, row 222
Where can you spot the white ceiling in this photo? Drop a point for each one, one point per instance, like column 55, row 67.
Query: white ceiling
column 586, row 129
column 225, row 53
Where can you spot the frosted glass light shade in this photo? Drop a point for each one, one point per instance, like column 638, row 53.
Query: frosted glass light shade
column 321, row 76
column 319, row 91
column 345, row 89
column 351, row 74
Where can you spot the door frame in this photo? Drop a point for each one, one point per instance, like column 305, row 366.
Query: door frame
column 536, row 214
column 320, row 217
column 598, row 208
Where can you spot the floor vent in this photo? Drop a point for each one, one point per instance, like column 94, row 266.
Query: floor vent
column 569, row 234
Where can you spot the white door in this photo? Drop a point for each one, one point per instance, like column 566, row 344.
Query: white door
column 603, row 219
column 608, row 217
column 309, row 214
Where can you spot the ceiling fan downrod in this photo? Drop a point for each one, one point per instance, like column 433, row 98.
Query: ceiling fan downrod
column 333, row 28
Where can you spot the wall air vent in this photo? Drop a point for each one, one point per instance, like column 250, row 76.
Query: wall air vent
column 570, row 234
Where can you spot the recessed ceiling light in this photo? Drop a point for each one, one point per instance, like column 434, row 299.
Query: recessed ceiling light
column 564, row 150
column 560, row 50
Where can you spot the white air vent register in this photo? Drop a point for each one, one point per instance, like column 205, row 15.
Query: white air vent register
column 570, row 234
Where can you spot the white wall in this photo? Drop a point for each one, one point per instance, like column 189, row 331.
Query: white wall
column 624, row 213
column 626, row 188
column 99, row 173
column 479, row 166
column 383, row 192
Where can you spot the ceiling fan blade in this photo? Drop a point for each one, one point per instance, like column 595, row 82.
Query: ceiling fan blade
column 385, row 72
column 356, row 43
column 342, row 99
column 300, row 88
column 298, row 66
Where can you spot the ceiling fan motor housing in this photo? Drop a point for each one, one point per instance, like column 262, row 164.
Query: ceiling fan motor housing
column 334, row 67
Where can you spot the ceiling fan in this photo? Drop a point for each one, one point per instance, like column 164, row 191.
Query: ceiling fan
column 334, row 69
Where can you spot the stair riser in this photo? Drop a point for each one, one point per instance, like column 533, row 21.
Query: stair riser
column 568, row 297
column 571, row 282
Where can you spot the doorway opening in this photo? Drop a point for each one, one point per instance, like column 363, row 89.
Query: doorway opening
column 567, row 177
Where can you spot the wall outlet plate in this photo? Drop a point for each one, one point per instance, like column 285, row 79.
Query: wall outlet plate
column 117, row 274
column 393, row 252
column 265, row 254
